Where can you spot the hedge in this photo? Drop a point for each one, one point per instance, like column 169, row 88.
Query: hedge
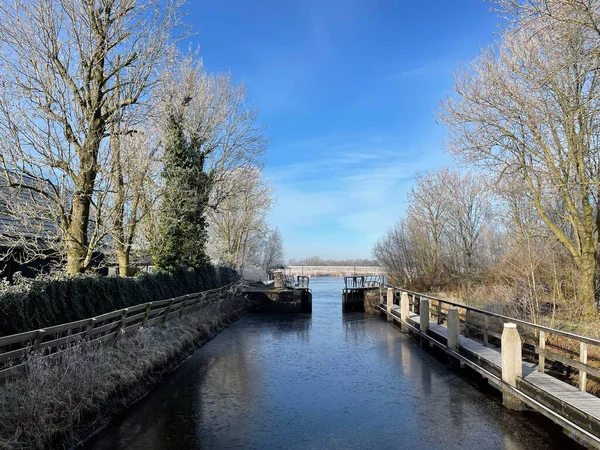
column 37, row 303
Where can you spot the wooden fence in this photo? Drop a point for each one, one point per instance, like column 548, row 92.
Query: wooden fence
column 109, row 327
column 541, row 343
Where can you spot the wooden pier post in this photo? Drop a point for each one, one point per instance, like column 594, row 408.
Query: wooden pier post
column 583, row 355
column 512, row 365
column 424, row 320
column 404, row 311
column 453, row 323
column 424, row 315
column 390, row 304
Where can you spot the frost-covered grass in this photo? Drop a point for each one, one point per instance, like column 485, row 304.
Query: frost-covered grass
column 59, row 401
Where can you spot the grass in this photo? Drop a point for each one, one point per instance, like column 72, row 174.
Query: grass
column 61, row 402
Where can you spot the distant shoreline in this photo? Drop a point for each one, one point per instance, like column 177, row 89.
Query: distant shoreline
column 333, row 271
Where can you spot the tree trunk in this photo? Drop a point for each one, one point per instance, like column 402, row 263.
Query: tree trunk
column 123, row 260
column 77, row 235
column 587, row 287
column 77, row 230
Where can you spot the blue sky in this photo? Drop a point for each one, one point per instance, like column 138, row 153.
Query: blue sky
column 348, row 90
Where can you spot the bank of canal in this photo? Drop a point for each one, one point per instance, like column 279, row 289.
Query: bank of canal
column 321, row 381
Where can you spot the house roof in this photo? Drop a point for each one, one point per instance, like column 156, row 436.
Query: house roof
column 25, row 213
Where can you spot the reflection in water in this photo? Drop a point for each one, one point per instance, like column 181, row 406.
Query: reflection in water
column 425, row 380
column 354, row 327
column 319, row 382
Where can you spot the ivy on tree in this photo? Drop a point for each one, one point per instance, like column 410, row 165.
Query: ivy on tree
column 182, row 224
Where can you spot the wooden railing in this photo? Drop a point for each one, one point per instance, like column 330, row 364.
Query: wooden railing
column 358, row 282
column 14, row 349
column 302, row 282
column 487, row 325
column 289, row 281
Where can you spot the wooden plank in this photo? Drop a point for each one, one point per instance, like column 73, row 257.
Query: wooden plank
column 103, row 328
column 66, row 327
column 107, row 316
column 583, row 401
column 14, row 354
column 167, row 301
column 132, row 318
column 17, row 338
column 63, row 340
column 570, row 362
column 136, row 308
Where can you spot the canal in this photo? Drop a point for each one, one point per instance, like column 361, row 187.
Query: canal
column 321, row 381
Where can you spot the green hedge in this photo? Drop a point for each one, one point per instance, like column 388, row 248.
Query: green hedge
column 37, row 303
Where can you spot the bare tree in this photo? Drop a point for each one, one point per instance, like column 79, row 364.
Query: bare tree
column 272, row 250
column 216, row 110
column 396, row 254
column 238, row 226
column 428, row 211
column 469, row 213
column 583, row 15
column 134, row 171
column 528, row 108
column 60, row 64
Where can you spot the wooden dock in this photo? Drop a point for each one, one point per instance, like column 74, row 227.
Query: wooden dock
column 468, row 342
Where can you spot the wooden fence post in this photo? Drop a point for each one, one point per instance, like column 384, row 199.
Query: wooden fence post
column 404, row 305
column 582, row 373
column 38, row 339
column 542, row 351
column 90, row 327
column 439, row 312
column 424, row 315
column 147, row 314
column 167, row 311
column 121, row 329
column 486, row 336
column 183, row 306
column 453, row 323
column 512, row 365
column 390, row 304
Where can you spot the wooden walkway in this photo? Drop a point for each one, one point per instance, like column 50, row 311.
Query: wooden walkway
column 578, row 412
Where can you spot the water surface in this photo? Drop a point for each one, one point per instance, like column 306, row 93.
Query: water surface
column 321, row 381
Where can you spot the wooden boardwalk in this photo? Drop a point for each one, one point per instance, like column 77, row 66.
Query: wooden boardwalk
column 576, row 411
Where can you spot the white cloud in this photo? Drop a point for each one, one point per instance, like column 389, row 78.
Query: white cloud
column 341, row 204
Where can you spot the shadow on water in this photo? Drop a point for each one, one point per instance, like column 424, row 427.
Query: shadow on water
column 321, row 381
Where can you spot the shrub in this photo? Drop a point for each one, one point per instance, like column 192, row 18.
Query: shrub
column 30, row 304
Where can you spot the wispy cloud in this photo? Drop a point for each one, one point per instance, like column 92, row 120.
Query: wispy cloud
column 418, row 70
column 430, row 68
column 339, row 205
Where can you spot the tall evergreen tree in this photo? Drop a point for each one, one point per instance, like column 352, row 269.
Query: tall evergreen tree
column 182, row 224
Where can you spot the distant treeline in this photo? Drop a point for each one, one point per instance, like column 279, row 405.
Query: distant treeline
column 318, row 261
